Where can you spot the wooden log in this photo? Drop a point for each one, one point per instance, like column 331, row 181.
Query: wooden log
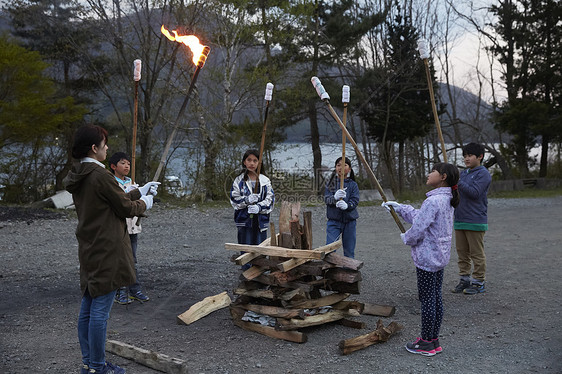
column 317, row 303
column 343, row 275
column 270, row 294
column 293, row 263
column 253, row 272
column 379, row 310
column 381, row 334
column 273, row 311
column 273, row 235
column 342, row 261
column 204, row 307
column 285, row 217
column 296, row 234
column 151, row 359
column 348, row 305
column 291, row 336
column 315, row 320
column 295, row 211
column 277, row 251
column 285, row 240
column 352, row 288
column 307, row 229
column 244, row 258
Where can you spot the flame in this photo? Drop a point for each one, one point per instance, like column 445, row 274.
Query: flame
column 189, row 40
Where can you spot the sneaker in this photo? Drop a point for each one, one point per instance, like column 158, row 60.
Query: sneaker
column 138, row 295
column 85, row 369
column 122, row 296
column 421, row 347
column 108, row 368
column 474, row 289
column 461, row 286
column 437, row 346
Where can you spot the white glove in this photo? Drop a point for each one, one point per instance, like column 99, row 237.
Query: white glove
column 147, row 200
column 253, row 209
column 132, row 187
column 149, row 189
column 341, row 205
column 340, row 194
column 403, row 237
column 253, row 198
column 389, row 204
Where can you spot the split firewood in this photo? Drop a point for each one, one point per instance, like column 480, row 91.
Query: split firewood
column 204, row 307
column 269, row 294
column 317, row 319
column 317, row 303
column 151, row 359
column 352, row 288
column 343, row 275
column 349, row 304
column 254, row 271
column 342, row 261
column 273, row 235
column 296, row 233
column 284, row 217
column 379, row 310
column 273, row 311
column 381, row 334
column 292, row 336
column 307, row 229
column 294, row 262
column 278, row 251
column 244, row 258
column 353, row 324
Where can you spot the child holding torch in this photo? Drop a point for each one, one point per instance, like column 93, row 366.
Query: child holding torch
column 341, row 207
column 430, row 238
column 251, row 209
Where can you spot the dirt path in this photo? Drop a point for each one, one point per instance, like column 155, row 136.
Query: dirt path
column 514, row 328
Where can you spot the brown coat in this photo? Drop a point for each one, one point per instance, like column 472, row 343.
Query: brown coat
column 104, row 247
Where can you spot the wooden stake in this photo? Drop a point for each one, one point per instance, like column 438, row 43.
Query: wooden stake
column 268, row 94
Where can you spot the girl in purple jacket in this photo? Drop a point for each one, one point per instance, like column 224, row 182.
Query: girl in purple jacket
column 430, row 238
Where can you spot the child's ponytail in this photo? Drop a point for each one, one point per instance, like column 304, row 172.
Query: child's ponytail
column 452, row 179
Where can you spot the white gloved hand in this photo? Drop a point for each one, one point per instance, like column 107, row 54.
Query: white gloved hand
column 341, row 205
column 253, row 198
column 340, row 194
column 149, row 189
column 403, row 237
column 131, row 187
column 389, row 204
column 148, row 199
column 253, row 209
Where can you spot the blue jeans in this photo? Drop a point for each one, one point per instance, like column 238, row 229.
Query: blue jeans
column 347, row 231
column 92, row 328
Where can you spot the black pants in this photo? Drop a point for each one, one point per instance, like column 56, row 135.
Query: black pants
column 430, row 293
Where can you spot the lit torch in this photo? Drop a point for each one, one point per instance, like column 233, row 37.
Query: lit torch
column 268, row 96
column 136, row 78
column 423, row 48
column 200, row 53
column 321, row 91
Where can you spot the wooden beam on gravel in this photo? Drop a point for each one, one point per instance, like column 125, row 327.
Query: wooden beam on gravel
column 381, row 334
column 204, row 307
column 151, row 359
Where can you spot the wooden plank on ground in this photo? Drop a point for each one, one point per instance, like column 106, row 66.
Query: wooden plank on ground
column 277, row 251
column 151, row 359
column 204, row 307
column 379, row 310
column 381, row 334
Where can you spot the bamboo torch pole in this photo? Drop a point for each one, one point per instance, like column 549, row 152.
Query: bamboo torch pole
column 200, row 64
column 424, row 54
column 345, row 100
column 268, row 96
column 326, row 98
column 136, row 77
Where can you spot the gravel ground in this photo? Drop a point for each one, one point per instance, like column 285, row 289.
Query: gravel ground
column 515, row 327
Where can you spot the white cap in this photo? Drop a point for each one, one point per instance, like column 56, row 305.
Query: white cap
column 268, row 91
column 423, row 48
column 320, row 90
column 345, row 94
column 137, row 74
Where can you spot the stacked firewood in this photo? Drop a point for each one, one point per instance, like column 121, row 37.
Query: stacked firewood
column 291, row 286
